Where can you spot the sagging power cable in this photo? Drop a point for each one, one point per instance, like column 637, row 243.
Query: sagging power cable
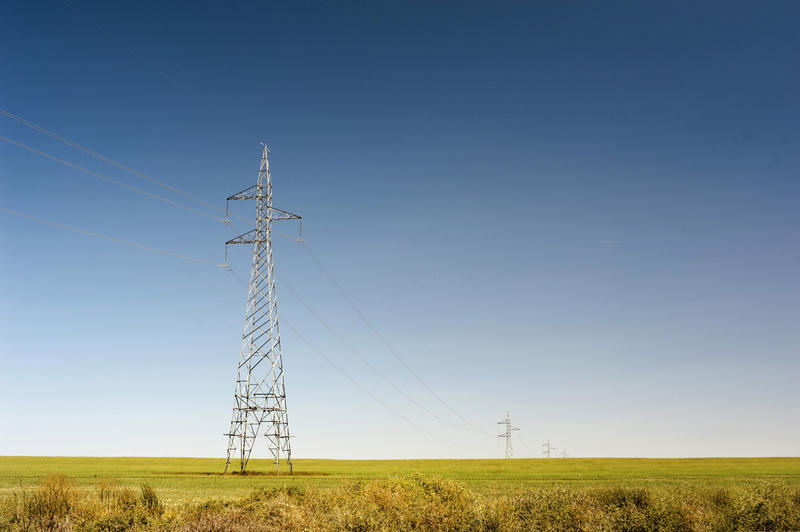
column 363, row 359
column 383, row 340
column 109, row 179
column 105, row 237
column 84, row 149
column 109, row 160
column 364, row 389
column 531, row 454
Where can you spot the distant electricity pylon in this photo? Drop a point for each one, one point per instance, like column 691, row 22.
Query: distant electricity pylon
column 547, row 448
column 260, row 396
column 507, row 434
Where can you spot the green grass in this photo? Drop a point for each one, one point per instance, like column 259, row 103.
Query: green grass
column 186, row 479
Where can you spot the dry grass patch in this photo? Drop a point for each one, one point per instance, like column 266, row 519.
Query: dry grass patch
column 413, row 503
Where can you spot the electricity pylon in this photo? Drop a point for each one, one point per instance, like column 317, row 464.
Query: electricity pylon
column 547, row 448
column 260, row 395
column 507, row 434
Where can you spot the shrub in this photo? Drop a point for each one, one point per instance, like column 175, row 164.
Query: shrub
column 46, row 508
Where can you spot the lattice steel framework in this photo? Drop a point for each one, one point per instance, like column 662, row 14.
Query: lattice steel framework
column 507, row 434
column 548, row 449
column 260, row 393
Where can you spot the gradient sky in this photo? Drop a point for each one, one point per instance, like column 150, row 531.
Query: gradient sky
column 584, row 213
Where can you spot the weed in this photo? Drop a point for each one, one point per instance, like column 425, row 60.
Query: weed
column 149, row 499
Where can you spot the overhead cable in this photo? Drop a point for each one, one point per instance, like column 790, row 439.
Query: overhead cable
column 110, row 179
column 59, row 138
column 530, row 453
column 126, row 168
column 383, row 340
column 363, row 359
column 364, row 389
column 105, row 237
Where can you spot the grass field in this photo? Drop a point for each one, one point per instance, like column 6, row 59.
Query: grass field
column 190, row 494
column 180, row 479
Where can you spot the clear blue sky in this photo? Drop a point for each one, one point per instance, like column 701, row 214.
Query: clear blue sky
column 584, row 213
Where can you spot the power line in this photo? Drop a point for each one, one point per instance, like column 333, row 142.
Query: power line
column 121, row 166
column 358, row 355
column 110, row 179
column 365, row 390
column 59, row 138
column 235, row 275
column 383, row 340
column 520, row 438
column 105, row 237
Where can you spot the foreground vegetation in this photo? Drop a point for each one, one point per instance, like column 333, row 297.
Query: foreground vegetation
column 530, row 494
column 417, row 502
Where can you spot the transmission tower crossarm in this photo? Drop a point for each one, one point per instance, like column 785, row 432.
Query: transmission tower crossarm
column 250, row 237
column 285, row 215
column 244, row 194
column 256, row 192
column 504, row 422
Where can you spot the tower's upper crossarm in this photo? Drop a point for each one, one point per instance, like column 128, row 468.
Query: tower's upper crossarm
column 248, row 193
column 274, row 212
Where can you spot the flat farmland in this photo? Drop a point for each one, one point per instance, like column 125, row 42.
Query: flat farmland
column 185, row 479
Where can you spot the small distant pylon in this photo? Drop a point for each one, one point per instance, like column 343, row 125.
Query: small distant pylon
column 548, row 449
column 507, row 435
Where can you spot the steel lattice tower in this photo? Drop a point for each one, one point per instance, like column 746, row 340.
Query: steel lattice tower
column 507, row 434
column 260, row 394
column 547, row 448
